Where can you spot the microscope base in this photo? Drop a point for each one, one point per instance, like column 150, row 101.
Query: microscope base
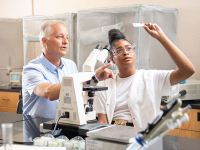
column 72, row 130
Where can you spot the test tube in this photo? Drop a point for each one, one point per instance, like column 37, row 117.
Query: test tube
column 53, row 143
column 38, row 142
column 81, row 145
column 61, row 139
column 7, row 135
column 75, row 141
column 69, row 145
column 46, row 138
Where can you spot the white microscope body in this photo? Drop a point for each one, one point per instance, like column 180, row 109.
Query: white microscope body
column 74, row 103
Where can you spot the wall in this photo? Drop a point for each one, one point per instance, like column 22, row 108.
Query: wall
column 188, row 37
column 15, row 8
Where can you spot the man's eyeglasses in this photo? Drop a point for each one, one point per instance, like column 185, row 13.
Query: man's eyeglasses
column 120, row 51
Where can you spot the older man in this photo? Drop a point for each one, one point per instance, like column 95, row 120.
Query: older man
column 42, row 77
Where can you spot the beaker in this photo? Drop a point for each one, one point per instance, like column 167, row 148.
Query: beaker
column 7, row 135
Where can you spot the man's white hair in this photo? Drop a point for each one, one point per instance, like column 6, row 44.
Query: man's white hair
column 46, row 30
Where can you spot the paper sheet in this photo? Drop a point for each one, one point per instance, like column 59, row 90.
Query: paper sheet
column 138, row 24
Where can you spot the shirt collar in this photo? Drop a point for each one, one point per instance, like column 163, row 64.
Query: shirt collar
column 49, row 65
column 61, row 63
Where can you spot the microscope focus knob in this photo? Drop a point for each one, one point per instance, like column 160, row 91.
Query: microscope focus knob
column 91, row 93
column 87, row 108
column 91, row 101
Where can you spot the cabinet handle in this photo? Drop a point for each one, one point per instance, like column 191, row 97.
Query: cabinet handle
column 5, row 99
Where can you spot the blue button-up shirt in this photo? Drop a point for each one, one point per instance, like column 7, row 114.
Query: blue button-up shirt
column 38, row 71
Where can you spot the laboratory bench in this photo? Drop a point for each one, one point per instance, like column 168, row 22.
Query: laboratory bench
column 26, row 128
column 9, row 89
column 9, row 99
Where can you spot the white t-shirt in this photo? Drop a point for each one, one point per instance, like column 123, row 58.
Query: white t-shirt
column 123, row 86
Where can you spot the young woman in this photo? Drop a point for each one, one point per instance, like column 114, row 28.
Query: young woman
column 134, row 96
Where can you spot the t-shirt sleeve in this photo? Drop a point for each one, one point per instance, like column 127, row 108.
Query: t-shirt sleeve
column 31, row 79
column 99, row 102
column 162, row 78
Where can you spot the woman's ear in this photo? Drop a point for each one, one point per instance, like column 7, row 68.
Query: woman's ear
column 111, row 58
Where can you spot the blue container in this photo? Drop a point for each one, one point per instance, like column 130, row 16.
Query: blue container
column 184, row 81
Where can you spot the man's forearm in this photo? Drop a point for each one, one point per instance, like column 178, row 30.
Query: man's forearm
column 48, row 91
column 53, row 92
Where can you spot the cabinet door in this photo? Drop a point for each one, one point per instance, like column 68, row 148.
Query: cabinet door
column 191, row 129
column 192, row 124
column 185, row 133
column 7, row 109
column 9, row 99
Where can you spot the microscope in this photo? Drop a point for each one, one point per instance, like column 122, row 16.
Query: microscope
column 170, row 117
column 76, row 99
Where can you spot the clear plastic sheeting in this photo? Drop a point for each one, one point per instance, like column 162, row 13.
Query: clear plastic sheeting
column 11, row 47
column 31, row 30
column 152, row 53
column 94, row 24
column 101, row 34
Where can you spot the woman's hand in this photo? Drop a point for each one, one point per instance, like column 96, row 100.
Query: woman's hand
column 185, row 67
column 103, row 73
column 154, row 30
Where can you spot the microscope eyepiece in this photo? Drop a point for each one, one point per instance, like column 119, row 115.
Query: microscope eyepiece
column 98, row 47
column 107, row 47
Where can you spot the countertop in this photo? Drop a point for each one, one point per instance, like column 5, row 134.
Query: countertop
column 9, row 89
